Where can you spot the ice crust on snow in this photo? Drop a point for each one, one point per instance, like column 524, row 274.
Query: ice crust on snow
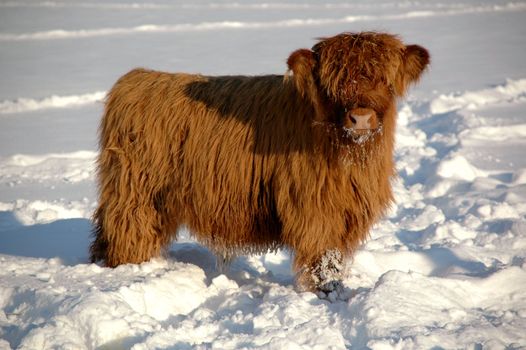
column 446, row 267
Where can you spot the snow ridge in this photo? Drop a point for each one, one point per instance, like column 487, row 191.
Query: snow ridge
column 54, row 167
column 37, row 212
column 23, row 104
column 289, row 23
column 510, row 92
column 231, row 5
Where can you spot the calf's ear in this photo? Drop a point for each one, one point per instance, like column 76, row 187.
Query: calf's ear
column 302, row 62
column 414, row 62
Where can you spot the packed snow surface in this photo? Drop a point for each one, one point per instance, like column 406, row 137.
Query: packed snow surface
column 445, row 269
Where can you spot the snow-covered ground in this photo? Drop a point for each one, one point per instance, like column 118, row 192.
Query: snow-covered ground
column 445, row 269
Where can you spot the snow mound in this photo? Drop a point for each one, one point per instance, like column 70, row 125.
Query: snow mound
column 47, row 168
column 457, row 167
column 512, row 91
column 41, row 211
column 98, row 306
column 22, row 104
column 450, row 309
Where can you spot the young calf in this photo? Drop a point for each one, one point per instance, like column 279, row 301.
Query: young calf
column 249, row 164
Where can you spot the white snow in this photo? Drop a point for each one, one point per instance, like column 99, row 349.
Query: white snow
column 29, row 104
column 510, row 92
column 445, row 269
column 294, row 22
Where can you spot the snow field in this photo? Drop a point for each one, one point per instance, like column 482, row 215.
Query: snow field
column 432, row 281
column 445, row 269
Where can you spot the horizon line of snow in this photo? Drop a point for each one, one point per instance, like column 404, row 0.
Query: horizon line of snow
column 209, row 26
column 22, row 104
column 217, row 5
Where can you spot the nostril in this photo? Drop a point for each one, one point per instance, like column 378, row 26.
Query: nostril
column 353, row 120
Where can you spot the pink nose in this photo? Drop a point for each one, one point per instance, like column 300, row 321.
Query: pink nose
column 361, row 122
column 363, row 119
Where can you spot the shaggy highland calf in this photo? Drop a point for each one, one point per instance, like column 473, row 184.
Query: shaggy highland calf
column 248, row 164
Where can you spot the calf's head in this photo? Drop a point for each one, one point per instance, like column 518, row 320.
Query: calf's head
column 354, row 79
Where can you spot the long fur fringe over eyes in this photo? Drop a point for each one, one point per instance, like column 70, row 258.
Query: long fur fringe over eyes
column 252, row 163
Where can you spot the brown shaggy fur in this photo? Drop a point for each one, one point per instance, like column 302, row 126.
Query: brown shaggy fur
column 253, row 163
